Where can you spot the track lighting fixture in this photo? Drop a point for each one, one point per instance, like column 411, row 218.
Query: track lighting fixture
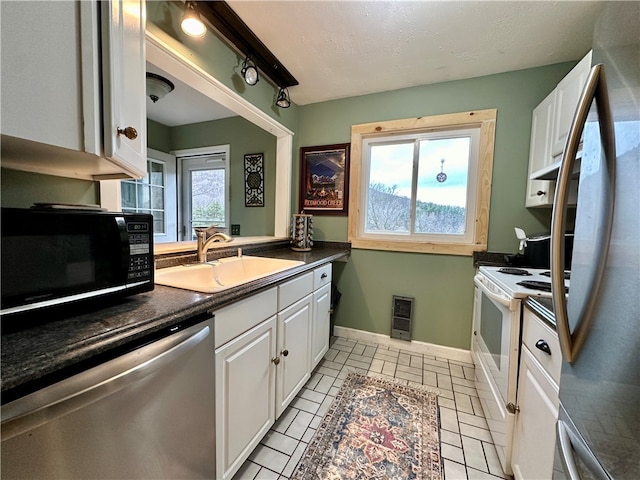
column 283, row 100
column 249, row 71
column 192, row 24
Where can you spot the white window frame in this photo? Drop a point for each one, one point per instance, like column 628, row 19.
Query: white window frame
column 467, row 236
column 184, row 195
column 169, row 192
column 479, row 194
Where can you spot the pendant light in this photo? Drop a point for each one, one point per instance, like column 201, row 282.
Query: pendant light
column 283, row 100
column 192, row 24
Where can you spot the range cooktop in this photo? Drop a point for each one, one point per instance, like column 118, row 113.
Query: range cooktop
column 522, row 282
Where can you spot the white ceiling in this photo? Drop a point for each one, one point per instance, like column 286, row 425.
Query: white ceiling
column 183, row 105
column 338, row 49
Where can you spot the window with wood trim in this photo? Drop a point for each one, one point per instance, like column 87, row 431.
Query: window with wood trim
column 422, row 184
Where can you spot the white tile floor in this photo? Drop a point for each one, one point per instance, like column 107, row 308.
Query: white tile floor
column 466, row 446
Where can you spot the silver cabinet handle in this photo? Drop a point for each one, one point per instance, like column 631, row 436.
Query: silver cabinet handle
column 595, row 88
column 85, row 388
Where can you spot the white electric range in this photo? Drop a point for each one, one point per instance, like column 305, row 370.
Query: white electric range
column 509, row 280
column 497, row 321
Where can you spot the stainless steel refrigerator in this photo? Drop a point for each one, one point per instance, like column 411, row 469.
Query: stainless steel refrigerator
column 598, row 430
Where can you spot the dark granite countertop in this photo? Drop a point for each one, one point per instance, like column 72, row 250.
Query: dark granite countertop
column 42, row 353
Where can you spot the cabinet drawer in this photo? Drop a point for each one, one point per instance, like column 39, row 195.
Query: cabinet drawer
column 535, row 330
column 321, row 276
column 235, row 319
column 293, row 290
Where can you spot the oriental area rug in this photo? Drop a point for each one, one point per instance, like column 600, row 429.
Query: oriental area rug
column 375, row 429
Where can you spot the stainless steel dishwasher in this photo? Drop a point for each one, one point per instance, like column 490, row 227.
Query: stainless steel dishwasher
column 148, row 413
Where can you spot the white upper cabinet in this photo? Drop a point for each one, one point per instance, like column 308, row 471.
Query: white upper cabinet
column 124, row 77
column 540, row 192
column 568, row 93
column 59, row 88
column 550, row 124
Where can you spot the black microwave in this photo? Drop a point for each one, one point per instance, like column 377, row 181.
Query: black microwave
column 56, row 256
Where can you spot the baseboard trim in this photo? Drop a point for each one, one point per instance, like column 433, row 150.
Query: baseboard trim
column 423, row 348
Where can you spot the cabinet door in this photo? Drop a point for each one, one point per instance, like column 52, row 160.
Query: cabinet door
column 321, row 325
column 42, row 72
column 245, row 392
column 541, row 192
column 534, row 436
column 124, row 66
column 568, row 93
column 294, row 338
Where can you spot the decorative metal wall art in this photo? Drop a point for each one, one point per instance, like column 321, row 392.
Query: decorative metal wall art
column 254, row 180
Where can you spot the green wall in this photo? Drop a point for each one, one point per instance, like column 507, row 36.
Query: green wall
column 243, row 138
column 22, row 189
column 217, row 58
column 441, row 284
column 158, row 136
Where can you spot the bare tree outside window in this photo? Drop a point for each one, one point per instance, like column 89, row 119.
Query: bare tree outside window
column 425, row 200
column 422, row 184
column 207, row 197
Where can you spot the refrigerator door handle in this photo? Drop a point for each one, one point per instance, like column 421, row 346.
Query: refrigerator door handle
column 595, row 88
column 569, row 442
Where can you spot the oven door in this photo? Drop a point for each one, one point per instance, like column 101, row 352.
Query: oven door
column 495, row 353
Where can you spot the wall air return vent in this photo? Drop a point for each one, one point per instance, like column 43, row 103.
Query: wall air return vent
column 402, row 317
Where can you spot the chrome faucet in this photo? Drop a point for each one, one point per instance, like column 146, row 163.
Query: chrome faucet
column 204, row 243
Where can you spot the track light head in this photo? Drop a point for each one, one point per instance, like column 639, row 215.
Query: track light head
column 283, row 100
column 249, row 71
column 192, row 24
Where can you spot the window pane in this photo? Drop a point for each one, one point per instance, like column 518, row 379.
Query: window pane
column 157, row 198
column 207, row 197
column 157, row 173
column 144, row 197
column 443, row 175
column 148, row 196
column 158, row 222
column 389, row 193
column 128, row 195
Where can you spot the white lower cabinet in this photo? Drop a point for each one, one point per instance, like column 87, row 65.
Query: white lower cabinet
column 294, row 368
column 321, row 323
column 320, row 329
column 534, row 436
column 266, row 348
column 245, row 393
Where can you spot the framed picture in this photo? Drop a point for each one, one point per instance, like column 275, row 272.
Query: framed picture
column 324, row 179
column 254, row 180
